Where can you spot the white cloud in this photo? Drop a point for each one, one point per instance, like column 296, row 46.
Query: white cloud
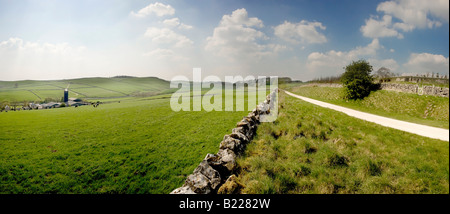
column 184, row 26
column 19, row 46
column 236, row 37
column 421, row 63
column 21, row 59
column 418, row 13
column 403, row 26
column 369, row 50
column 332, row 62
column 302, row 32
column 159, row 9
column 411, row 14
column 175, row 22
column 383, row 28
column 167, row 36
column 239, row 17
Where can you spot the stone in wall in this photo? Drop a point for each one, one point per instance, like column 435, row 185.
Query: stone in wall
column 183, row 190
column 231, row 186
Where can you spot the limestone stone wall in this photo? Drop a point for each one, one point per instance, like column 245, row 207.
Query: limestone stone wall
column 406, row 88
column 218, row 169
column 414, row 88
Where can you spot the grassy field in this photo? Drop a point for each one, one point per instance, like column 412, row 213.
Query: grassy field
column 310, row 149
column 136, row 146
column 139, row 145
column 92, row 89
column 427, row 110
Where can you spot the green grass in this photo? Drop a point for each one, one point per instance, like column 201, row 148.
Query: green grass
column 313, row 150
column 96, row 92
column 97, row 88
column 426, row 110
column 136, row 146
column 17, row 95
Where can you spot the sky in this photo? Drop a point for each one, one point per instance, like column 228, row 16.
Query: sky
column 301, row 39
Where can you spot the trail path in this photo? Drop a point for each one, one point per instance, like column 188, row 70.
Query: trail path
column 427, row 131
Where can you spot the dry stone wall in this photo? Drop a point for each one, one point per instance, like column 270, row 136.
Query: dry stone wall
column 217, row 169
column 406, row 88
column 414, row 88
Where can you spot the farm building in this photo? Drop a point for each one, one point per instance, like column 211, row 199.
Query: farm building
column 51, row 105
column 76, row 102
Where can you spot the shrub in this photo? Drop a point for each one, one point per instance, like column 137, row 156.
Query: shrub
column 357, row 80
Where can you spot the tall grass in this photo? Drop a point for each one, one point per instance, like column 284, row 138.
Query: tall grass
column 310, row 149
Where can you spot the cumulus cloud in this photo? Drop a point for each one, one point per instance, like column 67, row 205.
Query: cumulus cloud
column 332, row 62
column 380, row 28
column 159, row 9
column 417, row 13
column 421, row 63
column 167, row 36
column 302, row 32
column 175, row 22
column 237, row 37
column 240, row 17
column 184, row 26
column 411, row 14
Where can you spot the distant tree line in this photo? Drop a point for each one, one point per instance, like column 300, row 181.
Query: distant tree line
column 330, row 79
column 123, row 76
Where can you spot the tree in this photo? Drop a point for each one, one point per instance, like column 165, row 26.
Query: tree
column 357, row 80
column 384, row 74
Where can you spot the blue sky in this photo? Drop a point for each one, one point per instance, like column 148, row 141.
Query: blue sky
column 302, row 39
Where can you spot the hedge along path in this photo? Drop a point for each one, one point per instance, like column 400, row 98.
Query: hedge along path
column 427, row 131
column 215, row 174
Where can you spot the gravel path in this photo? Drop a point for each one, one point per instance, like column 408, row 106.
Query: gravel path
column 427, row 131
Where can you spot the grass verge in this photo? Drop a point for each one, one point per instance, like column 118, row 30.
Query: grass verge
column 313, row 150
column 426, row 110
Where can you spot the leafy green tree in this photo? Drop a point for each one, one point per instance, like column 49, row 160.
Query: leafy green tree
column 357, row 80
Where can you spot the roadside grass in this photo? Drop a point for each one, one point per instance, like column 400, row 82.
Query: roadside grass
column 315, row 150
column 426, row 110
column 136, row 146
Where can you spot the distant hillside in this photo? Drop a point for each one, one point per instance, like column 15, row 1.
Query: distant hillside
column 87, row 88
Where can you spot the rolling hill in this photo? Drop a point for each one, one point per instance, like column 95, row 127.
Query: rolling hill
column 86, row 88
